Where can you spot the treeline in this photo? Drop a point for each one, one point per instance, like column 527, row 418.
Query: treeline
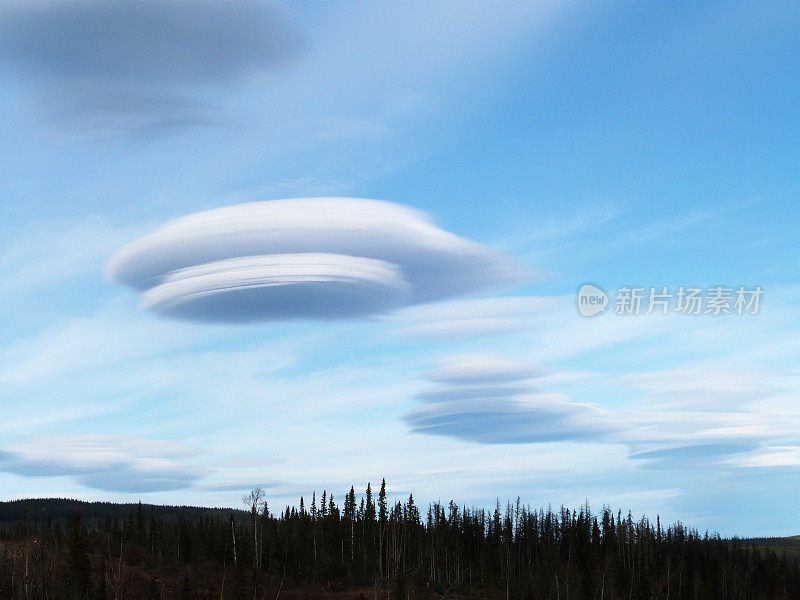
column 60, row 509
column 375, row 548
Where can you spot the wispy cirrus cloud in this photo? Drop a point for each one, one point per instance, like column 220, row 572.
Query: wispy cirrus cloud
column 710, row 387
column 465, row 318
column 234, row 486
column 772, row 456
column 50, row 252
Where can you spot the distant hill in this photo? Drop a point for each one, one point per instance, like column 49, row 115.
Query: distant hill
column 59, row 509
column 784, row 546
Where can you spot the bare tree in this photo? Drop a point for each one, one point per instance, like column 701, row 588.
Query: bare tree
column 254, row 500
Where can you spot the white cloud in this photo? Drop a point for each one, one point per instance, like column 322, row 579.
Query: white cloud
column 131, row 68
column 54, row 251
column 494, row 400
column 465, row 318
column 107, row 338
column 772, row 456
column 312, row 257
column 709, row 387
column 104, row 462
column 536, row 418
column 484, row 368
column 552, row 328
column 247, row 287
column 482, row 398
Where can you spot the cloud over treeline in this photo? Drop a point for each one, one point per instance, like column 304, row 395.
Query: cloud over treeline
column 113, row 463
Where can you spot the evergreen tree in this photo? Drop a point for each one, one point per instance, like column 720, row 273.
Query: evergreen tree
column 455, row 551
column 78, row 557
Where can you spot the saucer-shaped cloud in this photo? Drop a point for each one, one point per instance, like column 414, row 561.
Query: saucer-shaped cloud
column 311, row 257
column 697, row 455
column 111, row 463
column 282, row 285
column 539, row 417
column 491, row 400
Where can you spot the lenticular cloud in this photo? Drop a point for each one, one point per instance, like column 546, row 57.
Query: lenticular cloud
column 303, row 258
column 490, row 400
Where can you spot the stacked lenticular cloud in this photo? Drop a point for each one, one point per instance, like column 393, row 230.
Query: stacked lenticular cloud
column 495, row 400
column 304, row 258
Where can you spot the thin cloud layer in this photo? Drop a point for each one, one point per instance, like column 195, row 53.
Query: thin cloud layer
column 445, row 393
column 485, row 368
column 128, row 65
column 706, row 454
column 110, row 463
column 491, row 400
column 468, row 318
column 304, row 258
column 163, row 40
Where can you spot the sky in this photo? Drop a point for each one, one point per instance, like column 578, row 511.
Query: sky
column 309, row 246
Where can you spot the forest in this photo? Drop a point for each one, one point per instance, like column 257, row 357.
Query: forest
column 368, row 547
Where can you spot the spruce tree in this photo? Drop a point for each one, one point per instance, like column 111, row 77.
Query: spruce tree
column 78, row 556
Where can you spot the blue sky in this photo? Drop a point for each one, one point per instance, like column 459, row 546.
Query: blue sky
column 529, row 148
